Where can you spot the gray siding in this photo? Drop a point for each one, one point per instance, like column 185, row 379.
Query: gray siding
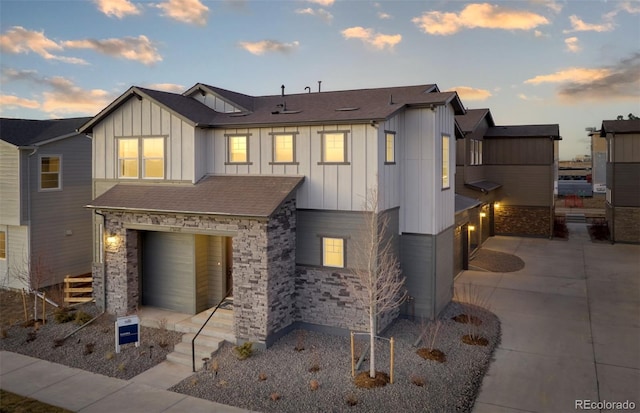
column 624, row 181
column 417, row 261
column 9, row 184
column 201, row 262
column 518, row 151
column 626, row 148
column 443, row 283
column 168, row 279
column 529, row 185
column 61, row 228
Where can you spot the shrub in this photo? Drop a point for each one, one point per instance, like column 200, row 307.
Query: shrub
column 63, row 315
column 275, row 396
column 244, row 351
column 351, row 399
column 262, row 376
column 82, row 318
column 314, row 385
column 418, row 380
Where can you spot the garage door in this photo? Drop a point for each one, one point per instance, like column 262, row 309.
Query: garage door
column 168, row 279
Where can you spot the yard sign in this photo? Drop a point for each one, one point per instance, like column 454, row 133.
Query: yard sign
column 127, row 331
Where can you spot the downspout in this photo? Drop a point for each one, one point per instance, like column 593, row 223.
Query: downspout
column 553, row 175
column 104, row 263
column 613, row 185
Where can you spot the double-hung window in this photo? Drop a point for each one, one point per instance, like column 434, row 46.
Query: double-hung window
column 50, row 172
column 238, row 149
column 334, row 147
column 476, row 152
column 390, row 148
column 284, row 148
column 333, row 252
column 445, row 162
column 141, row 157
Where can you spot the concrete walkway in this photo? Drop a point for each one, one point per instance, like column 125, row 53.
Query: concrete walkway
column 570, row 325
column 82, row 391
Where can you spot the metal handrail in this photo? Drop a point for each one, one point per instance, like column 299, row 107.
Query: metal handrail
column 193, row 341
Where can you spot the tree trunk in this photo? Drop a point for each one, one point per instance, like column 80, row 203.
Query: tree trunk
column 372, row 342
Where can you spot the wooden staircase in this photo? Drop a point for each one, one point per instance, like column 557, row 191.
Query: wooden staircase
column 217, row 330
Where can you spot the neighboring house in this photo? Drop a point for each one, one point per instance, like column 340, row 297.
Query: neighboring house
column 504, row 181
column 623, row 179
column 45, row 182
column 598, row 163
column 212, row 189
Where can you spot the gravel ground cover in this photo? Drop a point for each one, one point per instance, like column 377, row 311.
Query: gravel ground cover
column 91, row 348
column 280, row 379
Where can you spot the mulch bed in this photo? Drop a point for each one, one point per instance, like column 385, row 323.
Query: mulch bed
column 496, row 261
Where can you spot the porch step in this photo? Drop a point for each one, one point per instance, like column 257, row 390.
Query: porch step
column 201, row 351
column 184, row 359
column 575, row 218
column 211, row 331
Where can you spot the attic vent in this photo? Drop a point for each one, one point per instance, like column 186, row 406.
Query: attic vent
column 289, row 112
column 346, row 109
column 238, row 115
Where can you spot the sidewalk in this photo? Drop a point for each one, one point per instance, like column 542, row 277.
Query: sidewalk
column 570, row 324
column 82, row 391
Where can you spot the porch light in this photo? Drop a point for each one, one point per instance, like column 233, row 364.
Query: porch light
column 496, row 205
column 483, row 214
column 112, row 240
column 472, row 228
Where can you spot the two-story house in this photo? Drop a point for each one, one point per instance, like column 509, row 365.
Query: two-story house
column 622, row 205
column 214, row 191
column 45, row 182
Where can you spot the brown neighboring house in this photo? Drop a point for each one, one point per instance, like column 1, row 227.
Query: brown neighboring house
column 623, row 179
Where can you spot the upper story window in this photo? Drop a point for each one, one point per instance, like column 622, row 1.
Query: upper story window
column 475, row 152
column 334, row 147
column 390, row 148
column 238, row 148
column 50, row 168
column 445, row 162
column 284, row 148
column 3, row 245
column 333, row 252
column 134, row 153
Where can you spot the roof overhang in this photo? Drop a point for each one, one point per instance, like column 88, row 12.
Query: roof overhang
column 483, row 186
column 463, row 203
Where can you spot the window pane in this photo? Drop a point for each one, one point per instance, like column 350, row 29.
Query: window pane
column 237, row 149
column 334, row 147
column 128, row 148
column 390, row 148
column 154, row 168
column 49, row 181
column 3, row 245
column 333, row 252
column 153, row 147
column 129, row 168
column 445, row 161
column 283, row 148
column 50, row 164
column 50, row 172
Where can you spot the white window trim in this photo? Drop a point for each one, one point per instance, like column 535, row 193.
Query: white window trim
column 344, row 251
column 140, row 159
column 59, row 187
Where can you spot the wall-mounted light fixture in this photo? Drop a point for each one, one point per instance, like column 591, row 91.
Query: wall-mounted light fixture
column 483, row 214
column 496, row 205
column 112, row 240
column 472, row 228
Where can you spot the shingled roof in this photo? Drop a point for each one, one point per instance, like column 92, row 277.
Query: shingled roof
column 470, row 120
column 524, row 131
column 26, row 132
column 253, row 196
column 361, row 105
column 620, row 126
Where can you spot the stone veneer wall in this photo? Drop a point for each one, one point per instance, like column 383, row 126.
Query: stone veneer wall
column 261, row 307
column 626, row 223
column 520, row 220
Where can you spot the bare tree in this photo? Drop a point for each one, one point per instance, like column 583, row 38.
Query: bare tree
column 33, row 275
column 377, row 270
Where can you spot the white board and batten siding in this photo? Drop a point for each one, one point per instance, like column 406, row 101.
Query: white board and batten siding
column 9, row 184
column 427, row 208
column 15, row 266
column 326, row 186
column 144, row 118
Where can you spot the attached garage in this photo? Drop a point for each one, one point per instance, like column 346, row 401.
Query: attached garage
column 182, row 272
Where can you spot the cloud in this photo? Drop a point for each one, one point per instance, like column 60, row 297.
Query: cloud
column 263, row 46
column 167, row 87
column 577, row 25
column 377, row 40
column 384, row 16
column 140, row 48
column 185, row 11
column 325, row 3
column 572, row 44
column 628, row 7
column 321, row 13
column 473, row 16
column 522, row 96
column 469, row 93
column 8, row 101
column 62, row 95
column 118, row 8
column 552, row 5
column 20, row 40
column 620, row 81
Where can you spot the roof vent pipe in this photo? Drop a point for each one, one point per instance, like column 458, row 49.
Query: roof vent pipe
column 282, row 87
column 391, row 99
column 308, row 88
column 319, row 83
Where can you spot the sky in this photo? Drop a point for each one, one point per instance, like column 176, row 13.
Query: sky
column 571, row 62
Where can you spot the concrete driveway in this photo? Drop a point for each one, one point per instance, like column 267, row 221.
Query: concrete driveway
column 570, row 325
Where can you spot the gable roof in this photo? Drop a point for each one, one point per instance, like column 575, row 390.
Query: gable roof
column 524, row 131
column 255, row 196
column 361, row 105
column 620, row 126
column 26, row 132
column 472, row 118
